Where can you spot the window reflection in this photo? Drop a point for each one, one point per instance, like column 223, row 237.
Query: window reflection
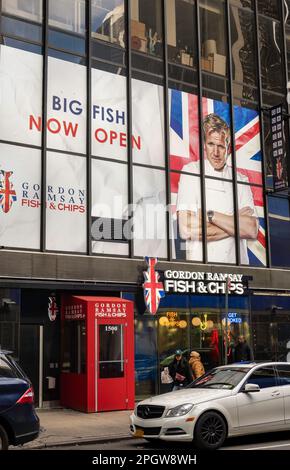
column 270, row 53
column 181, row 32
column 146, row 26
column 279, row 226
column 29, row 9
column 287, row 33
column 108, row 21
column 269, row 8
column 68, row 15
column 243, row 46
column 212, row 20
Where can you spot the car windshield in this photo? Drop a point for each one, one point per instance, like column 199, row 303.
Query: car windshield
column 226, row 378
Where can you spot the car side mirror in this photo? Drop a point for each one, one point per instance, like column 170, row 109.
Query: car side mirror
column 249, row 388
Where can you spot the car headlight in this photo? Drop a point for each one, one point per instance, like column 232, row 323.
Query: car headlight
column 179, row 410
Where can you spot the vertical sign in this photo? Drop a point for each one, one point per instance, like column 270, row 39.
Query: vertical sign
column 280, row 179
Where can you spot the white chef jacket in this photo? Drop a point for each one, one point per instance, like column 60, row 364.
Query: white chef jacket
column 219, row 197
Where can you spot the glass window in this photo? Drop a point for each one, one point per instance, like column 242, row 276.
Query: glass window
column 148, row 121
column 101, row 50
column 66, row 106
column 213, row 37
column 145, row 357
column 184, row 131
column 24, row 46
column 149, row 217
column 284, row 374
column 248, row 145
column 279, row 226
column 111, row 351
column 269, row 8
column 181, row 33
column 20, row 180
column 271, row 55
column 217, row 138
column 28, row 9
column 243, row 93
column 252, row 225
column 66, row 41
column 68, row 15
column 110, row 227
column 244, row 3
column 287, row 34
column 75, row 59
column 66, row 203
column 186, row 216
column 173, row 325
column 74, row 347
column 221, row 246
column 268, row 149
column 108, row 21
column 109, row 116
column 21, row 96
column 146, row 27
column 21, row 29
column 243, row 44
column 265, row 377
column 186, row 77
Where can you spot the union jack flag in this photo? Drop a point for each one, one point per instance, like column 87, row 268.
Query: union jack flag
column 52, row 308
column 184, row 148
column 7, row 193
column 153, row 288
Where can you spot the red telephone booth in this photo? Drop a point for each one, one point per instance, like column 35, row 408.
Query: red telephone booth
column 97, row 353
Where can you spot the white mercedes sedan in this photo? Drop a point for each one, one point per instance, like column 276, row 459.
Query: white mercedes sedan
column 227, row 401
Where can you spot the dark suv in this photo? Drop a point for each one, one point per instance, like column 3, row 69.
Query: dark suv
column 18, row 421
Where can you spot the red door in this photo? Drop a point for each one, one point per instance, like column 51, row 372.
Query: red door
column 111, row 364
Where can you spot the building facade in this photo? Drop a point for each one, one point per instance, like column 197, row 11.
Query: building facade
column 141, row 128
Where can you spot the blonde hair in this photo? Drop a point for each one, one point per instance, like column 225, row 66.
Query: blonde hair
column 214, row 123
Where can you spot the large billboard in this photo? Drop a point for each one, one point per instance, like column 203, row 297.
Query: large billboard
column 113, row 223
column 218, row 183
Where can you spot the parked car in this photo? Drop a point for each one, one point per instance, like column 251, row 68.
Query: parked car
column 19, row 422
column 233, row 400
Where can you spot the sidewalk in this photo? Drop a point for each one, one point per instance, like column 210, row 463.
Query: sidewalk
column 64, row 426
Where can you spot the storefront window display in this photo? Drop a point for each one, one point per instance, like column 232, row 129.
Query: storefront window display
column 145, row 356
column 271, row 326
column 198, row 323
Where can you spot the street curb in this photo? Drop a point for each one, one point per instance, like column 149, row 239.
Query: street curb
column 81, row 442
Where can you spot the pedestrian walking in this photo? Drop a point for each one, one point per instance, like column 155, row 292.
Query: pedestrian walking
column 242, row 351
column 180, row 371
column 196, row 365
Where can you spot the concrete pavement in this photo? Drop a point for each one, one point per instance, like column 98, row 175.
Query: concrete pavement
column 64, row 426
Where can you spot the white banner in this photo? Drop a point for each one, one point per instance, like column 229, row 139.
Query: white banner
column 66, row 203
column 20, row 178
column 66, row 106
column 20, row 95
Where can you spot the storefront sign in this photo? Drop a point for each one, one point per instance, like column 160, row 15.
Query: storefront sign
column 110, row 310
column 233, row 317
column 74, row 312
column 278, row 148
column 52, row 308
column 202, row 283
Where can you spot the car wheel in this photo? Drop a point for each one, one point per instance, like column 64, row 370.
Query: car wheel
column 210, row 431
column 4, row 443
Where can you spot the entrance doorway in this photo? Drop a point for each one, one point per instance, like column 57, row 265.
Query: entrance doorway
column 31, row 357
